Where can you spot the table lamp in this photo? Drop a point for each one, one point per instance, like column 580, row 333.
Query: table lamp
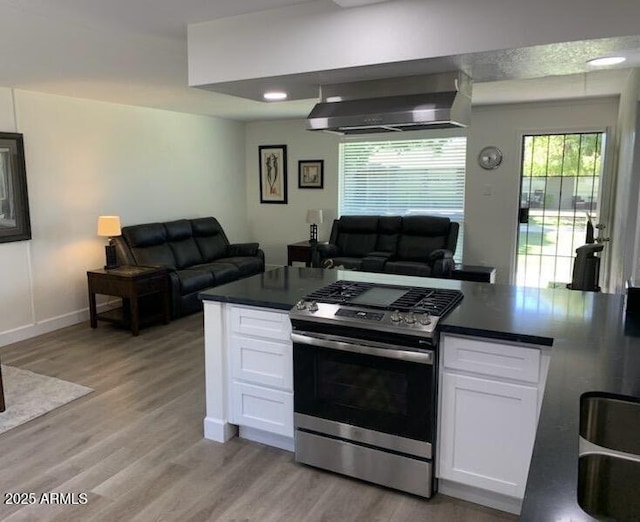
column 109, row 226
column 314, row 218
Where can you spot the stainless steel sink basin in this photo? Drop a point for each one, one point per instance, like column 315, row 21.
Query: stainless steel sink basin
column 608, row 487
column 611, row 421
column 609, row 463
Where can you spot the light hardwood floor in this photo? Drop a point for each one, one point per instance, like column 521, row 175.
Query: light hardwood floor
column 135, row 447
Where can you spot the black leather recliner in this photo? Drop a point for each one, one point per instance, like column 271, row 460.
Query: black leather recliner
column 197, row 253
column 411, row 245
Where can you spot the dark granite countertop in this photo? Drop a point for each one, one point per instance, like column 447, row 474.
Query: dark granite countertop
column 593, row 349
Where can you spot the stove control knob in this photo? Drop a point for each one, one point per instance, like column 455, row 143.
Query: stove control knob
column 301, row 305
column 313, row 306
column 410, row 318
column 395, row 316
column 424, row 319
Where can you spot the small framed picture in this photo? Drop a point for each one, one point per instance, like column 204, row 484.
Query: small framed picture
column 311, row 174
column 273, row 173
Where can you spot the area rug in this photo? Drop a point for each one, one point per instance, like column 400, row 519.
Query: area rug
column 28, row 395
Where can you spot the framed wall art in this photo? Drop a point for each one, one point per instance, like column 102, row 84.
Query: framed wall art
column 273, row 173
column 15, row 224
column 311, row 174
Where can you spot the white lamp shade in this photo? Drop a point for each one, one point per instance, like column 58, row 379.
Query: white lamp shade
column 109, row 226
column 314, row 216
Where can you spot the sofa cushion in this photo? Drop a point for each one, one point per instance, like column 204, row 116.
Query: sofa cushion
column 246, row 265
column 158, row 255
column 426, row 225
column 210, row 238
column 178, row 230
column 148, row 244
column 186, row 253
column 194, row 280
column 357, row 235
column 183, row 246
column 145, row 235
column 389, row 228
column 421, row 235
column 222, row 272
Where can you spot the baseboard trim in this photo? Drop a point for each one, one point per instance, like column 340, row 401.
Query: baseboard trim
column 480, row 496
column 270, row 439
column 49, row 325
column 218, row 430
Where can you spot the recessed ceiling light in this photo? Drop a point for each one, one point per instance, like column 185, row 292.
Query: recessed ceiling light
column 275, row 95
column 607, row 60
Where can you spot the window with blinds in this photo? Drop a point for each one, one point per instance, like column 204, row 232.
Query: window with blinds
column 404, row 177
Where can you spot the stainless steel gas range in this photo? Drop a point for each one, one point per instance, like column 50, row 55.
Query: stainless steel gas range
column 365, row 381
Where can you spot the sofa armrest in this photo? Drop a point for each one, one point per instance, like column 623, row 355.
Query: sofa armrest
column 326, row 250
column 243, row 249
column 442, row 263
column 439, row 253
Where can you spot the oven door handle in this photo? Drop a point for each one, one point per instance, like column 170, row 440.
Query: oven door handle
column 387, row 351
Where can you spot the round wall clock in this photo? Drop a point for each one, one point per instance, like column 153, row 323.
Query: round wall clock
column 490, row 158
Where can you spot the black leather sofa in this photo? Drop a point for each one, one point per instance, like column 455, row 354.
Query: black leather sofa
column 411, row 245
column 197, row 253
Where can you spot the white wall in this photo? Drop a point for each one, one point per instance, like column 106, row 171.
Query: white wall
column 490, row 220
column 624, row 230
column 87, row 158
column 275, row 226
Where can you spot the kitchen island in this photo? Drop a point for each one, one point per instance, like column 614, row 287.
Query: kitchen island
column 592, row 349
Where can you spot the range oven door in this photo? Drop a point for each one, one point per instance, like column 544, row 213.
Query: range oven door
column 365, row 409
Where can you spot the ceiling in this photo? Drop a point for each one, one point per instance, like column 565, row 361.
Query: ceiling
column 135, row 52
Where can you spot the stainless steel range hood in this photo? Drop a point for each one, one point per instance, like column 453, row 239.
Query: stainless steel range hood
column 397, row 104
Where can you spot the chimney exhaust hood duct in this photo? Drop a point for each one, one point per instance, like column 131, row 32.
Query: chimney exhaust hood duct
column 395, row 104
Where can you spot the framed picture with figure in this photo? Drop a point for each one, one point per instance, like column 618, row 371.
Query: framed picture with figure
column 311, row 174
column 273, row 173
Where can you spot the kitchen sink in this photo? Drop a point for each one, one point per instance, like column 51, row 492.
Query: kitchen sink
column 609, row 462
column 611, row 421
column 608, row 487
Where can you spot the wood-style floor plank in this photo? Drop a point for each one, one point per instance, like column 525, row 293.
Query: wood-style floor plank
column 134, row 445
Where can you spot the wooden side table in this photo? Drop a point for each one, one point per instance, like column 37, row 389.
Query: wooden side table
column 481, row 274
column 130, row 283
column 301, row 251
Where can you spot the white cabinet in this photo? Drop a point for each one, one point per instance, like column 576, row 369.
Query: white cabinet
column 261, row 369
column 262, row 408
column 490, row 392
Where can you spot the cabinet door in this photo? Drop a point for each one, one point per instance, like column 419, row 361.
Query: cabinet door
column 262, row 408
column 259, row 361
column 487, row 431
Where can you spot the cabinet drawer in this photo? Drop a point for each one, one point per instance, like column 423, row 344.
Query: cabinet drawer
column 492, row 358
column 262, row 408
column 261, row 323
column 262, row 362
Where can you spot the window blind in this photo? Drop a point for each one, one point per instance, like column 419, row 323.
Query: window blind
column 404, row 177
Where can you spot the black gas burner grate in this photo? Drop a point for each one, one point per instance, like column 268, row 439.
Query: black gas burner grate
column 339, row 292
column 435, row 301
